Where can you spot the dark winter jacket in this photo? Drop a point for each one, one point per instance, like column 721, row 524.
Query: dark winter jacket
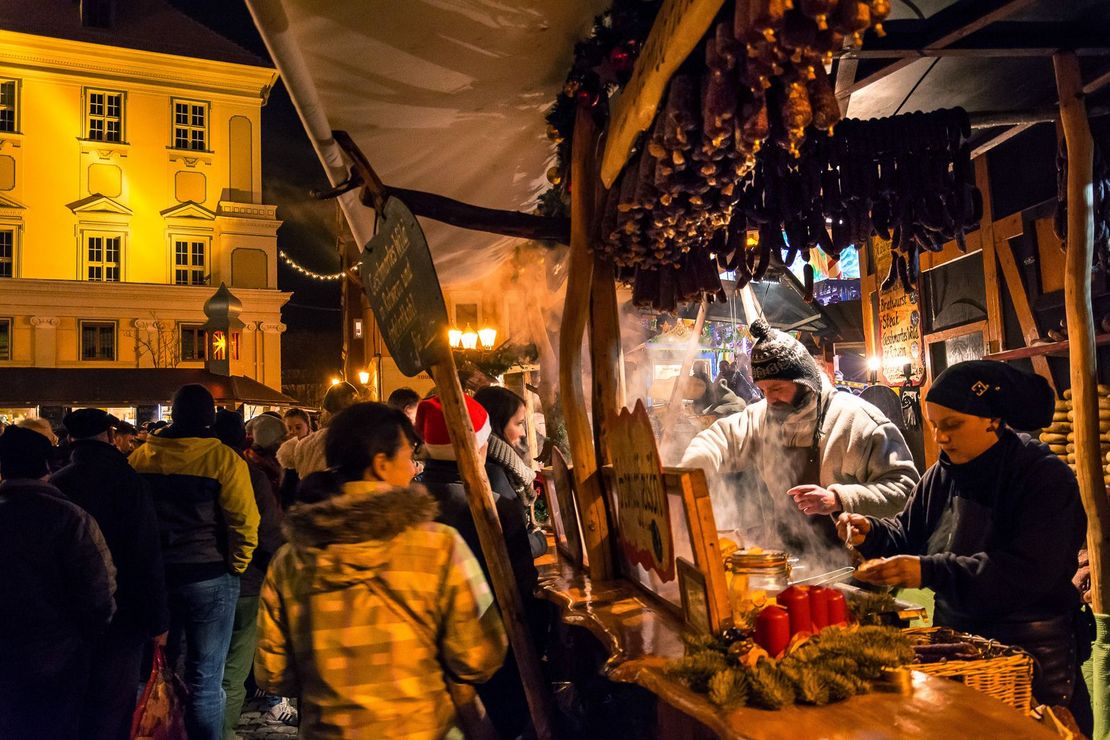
column 1010, row 554
column 441, row 478
column 100, row 481
column 56, row 594
column 270, row 537
column 207, row 517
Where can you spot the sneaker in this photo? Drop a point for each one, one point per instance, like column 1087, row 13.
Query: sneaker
column 282, row 713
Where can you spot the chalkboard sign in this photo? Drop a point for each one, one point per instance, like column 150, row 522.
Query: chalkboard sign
column 401, row 284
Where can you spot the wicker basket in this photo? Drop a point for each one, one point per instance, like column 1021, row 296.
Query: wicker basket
column 1007, row 677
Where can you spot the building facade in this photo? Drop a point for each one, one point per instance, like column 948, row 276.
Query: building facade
column 130, row 189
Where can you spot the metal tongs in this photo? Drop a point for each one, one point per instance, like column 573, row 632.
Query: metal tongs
column 857, row 556
column 821, row 579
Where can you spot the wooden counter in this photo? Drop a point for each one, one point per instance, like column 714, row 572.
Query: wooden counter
column 642, row 637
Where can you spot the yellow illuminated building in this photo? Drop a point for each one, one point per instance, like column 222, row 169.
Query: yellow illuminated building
column 130, row 189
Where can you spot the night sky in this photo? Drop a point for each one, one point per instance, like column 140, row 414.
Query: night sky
column 289, row 171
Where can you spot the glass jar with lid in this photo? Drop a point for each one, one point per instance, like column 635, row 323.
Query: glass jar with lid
column 757, row 576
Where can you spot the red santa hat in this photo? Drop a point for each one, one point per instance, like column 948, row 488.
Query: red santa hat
column 432, row 427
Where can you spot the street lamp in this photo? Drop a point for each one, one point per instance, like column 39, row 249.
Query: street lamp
column 454, row 337
column 364, row 377
column 469, row 338
column 488, row 337
column 335, row 381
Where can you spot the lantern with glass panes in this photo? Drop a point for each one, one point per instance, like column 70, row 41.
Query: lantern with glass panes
column 222, row 330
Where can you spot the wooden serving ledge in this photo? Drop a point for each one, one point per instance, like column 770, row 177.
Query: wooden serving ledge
column 642, row 637
column 1052, row 349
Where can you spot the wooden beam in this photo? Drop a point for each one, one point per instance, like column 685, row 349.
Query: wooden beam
column 1000, row 39
column 945, row 28
column 990, row 266
column 846, row 69
column 374, row 193
column 580, row 271
column 492, row 539
column 1020, row 300
column 678, row 28
column 607, row 360
column 1081, row 332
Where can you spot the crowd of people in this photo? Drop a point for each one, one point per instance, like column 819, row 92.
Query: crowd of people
column 341, row 565
column 120, row 542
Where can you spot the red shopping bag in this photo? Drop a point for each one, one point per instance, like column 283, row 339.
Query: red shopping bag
column 160, row 714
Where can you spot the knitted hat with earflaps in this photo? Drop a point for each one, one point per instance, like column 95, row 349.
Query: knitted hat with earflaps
column 778, row 356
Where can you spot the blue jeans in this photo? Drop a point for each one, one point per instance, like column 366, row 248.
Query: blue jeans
column 203, row 614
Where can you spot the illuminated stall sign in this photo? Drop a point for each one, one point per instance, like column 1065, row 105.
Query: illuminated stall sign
column 900, row 337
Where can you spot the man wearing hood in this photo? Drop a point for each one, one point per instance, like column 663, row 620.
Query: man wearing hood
column 208, row 524
column 829, row 451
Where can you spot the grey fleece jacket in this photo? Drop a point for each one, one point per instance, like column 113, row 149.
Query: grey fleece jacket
column 863, row 457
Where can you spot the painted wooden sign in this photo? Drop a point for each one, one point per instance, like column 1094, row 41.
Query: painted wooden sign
column 678, row 27
column 900, row 337
column 401, row 284
column 640, row 495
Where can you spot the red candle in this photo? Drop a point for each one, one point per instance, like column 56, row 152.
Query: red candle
column 819, row 607
column 772, row 629
column 796, row 601
column 838, row 608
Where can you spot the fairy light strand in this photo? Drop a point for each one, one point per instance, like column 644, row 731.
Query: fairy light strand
column 305, row 271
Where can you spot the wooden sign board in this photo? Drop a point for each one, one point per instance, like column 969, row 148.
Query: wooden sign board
column 401, row 284
column 564, row 510
column 639, row 495
column 900, row 335
column 678, row 28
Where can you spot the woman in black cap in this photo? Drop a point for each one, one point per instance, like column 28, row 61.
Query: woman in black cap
column 993, row 528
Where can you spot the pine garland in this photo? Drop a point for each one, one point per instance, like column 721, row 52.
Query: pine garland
column 834, row 665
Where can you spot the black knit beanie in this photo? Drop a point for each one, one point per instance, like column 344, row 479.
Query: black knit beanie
column 230, row 430
column 193, row 407
column 23, row 454
column 994, row 390
column 778, row 356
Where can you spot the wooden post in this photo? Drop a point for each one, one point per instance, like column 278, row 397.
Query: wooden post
column 1081, row 325
column 583, row 176
column 605, row 354
column 492, row 539
column 990, row 263
column 1020, row 299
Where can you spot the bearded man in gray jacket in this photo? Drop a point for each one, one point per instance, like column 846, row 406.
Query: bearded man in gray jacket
column 828, row 451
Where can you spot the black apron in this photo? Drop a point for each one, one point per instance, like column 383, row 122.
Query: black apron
column 823, row 525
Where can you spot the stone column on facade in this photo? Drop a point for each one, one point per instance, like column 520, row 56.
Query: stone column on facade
column 271, row 352
column 250, row 332
column 45, row 342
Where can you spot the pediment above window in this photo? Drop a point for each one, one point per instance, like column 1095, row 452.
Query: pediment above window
column 97, row 203
column 189, row 209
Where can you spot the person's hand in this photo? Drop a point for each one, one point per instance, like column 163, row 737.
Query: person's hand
column 860, row 525
column 900, row 570
column 814, row 500
column 162, row 639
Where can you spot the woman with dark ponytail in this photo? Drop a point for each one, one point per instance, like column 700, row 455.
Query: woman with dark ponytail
column 371, row 602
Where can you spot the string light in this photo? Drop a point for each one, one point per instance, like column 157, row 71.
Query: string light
column 306, row 272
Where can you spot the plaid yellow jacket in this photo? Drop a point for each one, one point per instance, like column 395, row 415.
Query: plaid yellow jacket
column 366, row 608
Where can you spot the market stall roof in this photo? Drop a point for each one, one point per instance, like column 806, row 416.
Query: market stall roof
column 448, row 96
column 27, row 386
column 442, row 96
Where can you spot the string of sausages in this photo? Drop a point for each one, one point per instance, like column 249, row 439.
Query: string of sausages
column 745, row 143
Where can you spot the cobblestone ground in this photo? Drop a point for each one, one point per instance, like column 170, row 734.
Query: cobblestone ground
column 252, row 726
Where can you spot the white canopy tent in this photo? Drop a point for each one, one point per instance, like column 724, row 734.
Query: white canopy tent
column 443, row 96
